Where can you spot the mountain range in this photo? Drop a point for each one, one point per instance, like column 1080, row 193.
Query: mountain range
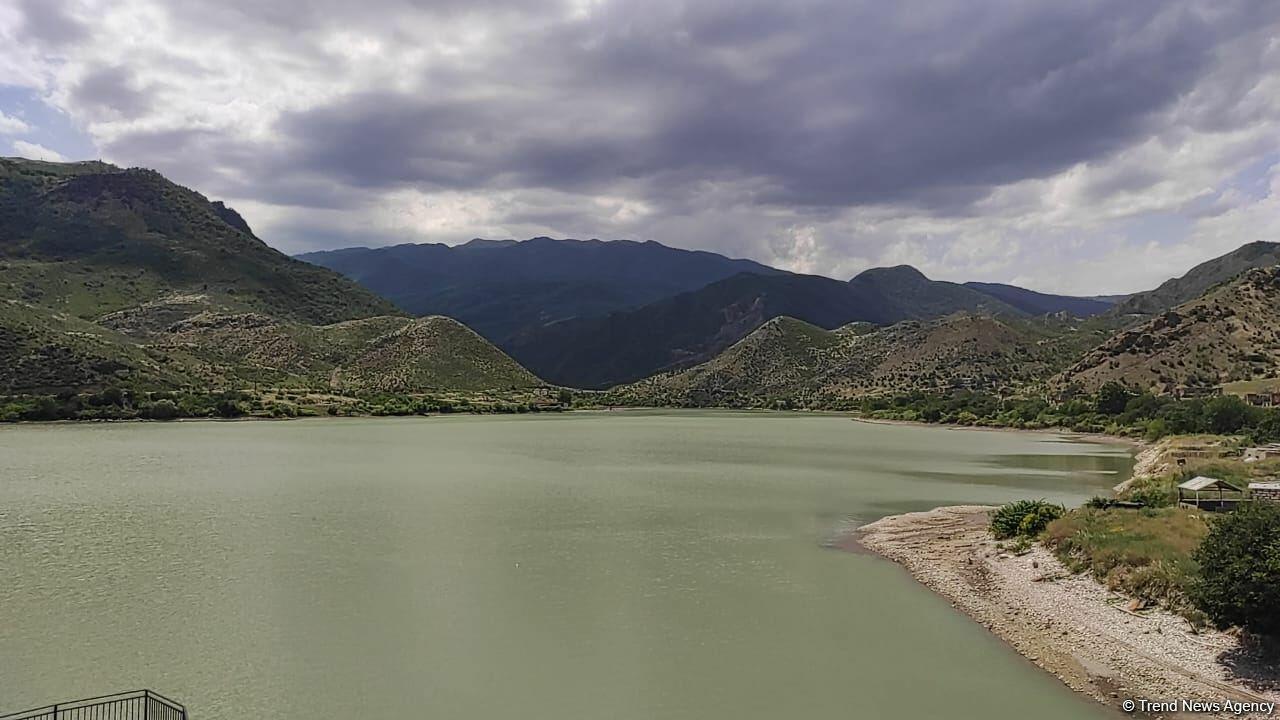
column 596, row 314
column 114, row 277
column 501, row 288
column 1230, row 334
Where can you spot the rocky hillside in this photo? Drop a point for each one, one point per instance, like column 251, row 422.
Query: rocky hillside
column 88, row 239
column 1231, row 333
column 1202, row 278
column 789, row 362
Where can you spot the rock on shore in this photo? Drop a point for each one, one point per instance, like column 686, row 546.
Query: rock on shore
column 1069, row 625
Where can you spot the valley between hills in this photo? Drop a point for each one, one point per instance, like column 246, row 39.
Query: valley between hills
column 123, row 294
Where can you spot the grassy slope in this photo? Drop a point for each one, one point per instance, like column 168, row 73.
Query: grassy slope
column 371, row 355
column 432, row 352
column 46, row 352
column 788, row 361
column 1147, row 553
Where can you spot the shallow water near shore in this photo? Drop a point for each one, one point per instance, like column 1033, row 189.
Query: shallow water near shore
column 622, row 565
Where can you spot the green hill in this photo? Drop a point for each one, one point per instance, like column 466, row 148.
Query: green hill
column 792, row 363
column 386, row 354
column 116, row 280
column 46, row 352
column 435, row 353
column 90, row 239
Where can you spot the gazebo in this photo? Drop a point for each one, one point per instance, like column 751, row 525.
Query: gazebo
column 1212, row 494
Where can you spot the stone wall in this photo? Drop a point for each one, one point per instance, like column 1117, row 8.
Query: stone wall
column 1271, row 495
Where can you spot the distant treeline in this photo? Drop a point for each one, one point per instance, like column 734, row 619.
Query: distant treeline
column 1115, row 410
column 124, row 404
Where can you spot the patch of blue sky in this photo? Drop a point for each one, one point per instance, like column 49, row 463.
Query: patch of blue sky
column 47, row 126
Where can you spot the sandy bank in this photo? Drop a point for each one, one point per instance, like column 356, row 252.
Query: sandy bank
column 1070, row 625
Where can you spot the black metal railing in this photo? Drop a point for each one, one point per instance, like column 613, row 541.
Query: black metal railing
column 133, row 705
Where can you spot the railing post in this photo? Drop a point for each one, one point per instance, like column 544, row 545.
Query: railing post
column 146, row 704
column 55, row 712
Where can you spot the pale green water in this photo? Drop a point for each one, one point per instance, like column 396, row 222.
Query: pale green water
column 625, row 565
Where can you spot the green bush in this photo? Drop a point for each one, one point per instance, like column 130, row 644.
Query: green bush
column 160, row 410
column 1024, row 518
column 1239, row 582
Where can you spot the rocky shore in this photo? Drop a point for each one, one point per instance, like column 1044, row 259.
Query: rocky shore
column 1072, row 626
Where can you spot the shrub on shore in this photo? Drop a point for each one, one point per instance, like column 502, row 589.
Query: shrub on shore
column 1144, row 553
column 1239, row 579
column 1023, row 518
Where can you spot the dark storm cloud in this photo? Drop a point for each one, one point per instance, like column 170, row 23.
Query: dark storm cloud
column 809, row 103
column 821, row 133
column 112, row 90
column 47, row 21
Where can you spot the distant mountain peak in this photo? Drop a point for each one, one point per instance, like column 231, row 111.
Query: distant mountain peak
column 895, row 273
column 482, row 243
column 1202, row 278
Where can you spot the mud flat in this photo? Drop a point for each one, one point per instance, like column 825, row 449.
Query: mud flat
column 1072, row 626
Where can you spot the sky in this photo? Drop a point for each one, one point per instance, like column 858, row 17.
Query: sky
column 1079, row 147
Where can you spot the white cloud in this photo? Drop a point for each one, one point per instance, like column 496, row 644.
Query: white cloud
column 34, row 151
column 10, row 125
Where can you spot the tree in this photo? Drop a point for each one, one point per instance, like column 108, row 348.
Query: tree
column 1182, row 417
column 1112, row 398
column 1239, row 559
column 1268, row 427
column 1225, row 415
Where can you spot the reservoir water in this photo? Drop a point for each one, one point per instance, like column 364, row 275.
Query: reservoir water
column 591, row 565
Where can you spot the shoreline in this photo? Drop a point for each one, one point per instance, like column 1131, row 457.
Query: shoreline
column 1137, row 444
column 1068, row 625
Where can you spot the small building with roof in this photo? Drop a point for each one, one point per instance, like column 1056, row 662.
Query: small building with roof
column 1211, row 494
